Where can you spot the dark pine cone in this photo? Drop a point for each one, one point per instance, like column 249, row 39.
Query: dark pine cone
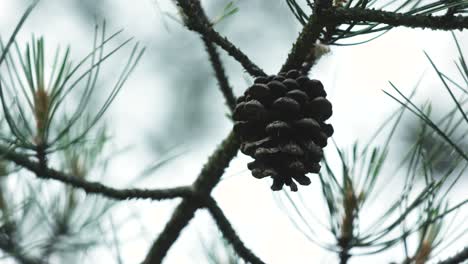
column 280, row 121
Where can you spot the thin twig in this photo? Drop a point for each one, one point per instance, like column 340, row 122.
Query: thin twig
column 344, row 255
column 202, row 187
column 458, row 258
column 216, row 63
column 180, row 218
column 230, row 234
column 345, row 15
column 220, row 74
column 92, row 187
column 304, row 46
column 196, row 20
column 233, row 51
column 315, row 28
column 214, row 168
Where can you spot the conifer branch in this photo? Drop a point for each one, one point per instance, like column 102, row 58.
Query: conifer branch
column 198, row 195
column 458, row 258
column 182, row 215
column 89, row 186
column 216, row 63
column 304, row 46
column 230, row 234
column 202, row 187
column 345, row 15
column 196, row 20
column 233, row 51
column 220, row 74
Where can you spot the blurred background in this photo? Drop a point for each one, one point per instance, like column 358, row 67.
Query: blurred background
column 170, row 116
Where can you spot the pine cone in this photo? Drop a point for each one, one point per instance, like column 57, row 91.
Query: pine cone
column 280, row 121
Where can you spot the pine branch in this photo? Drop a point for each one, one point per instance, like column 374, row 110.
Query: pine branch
column 346, row 15
column 458, row 258
column 89, row 186
column 214, row 168
column 220, row 74
column 182, row 215
column 230, row 234
column 196, row 20
column 202, row 187
column 233, row 51
column 344, row 255
column 304, row 46
column 216, row 63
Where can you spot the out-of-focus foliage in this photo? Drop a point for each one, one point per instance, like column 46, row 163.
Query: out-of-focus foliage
column 345, row 33
column 362, row 183
column 47, row 112
column 33, row 101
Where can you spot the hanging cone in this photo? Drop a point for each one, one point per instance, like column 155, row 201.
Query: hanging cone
column 280, row 120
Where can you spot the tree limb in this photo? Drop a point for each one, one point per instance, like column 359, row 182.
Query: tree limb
column 215, row 61
column 220, row 74
column 233, row 51
column 230, row 234
column 196, row 20
column 304, row 46
column 458, row 258
column 202, row 187
column 346, row 15
column 92, row 187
